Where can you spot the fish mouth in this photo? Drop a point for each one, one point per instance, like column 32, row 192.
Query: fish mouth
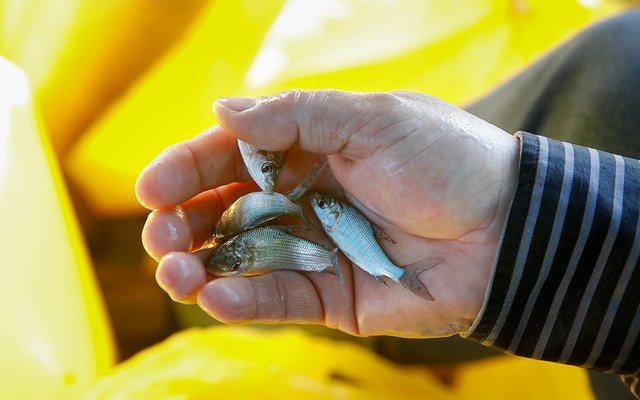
column 214, row 264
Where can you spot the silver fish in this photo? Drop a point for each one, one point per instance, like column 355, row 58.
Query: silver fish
column 255, row 209
column 263, row 166
column 262, row 250
column 354, row 236
column 252, row 210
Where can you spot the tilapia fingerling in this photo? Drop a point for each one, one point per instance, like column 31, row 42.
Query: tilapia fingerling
column 354, row 235
column 268, row 249
column 255, row 159
column 253, row 210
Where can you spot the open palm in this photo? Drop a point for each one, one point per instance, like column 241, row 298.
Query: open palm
column 409, row 162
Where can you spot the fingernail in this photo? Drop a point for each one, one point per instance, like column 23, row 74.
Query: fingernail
column 237, row 103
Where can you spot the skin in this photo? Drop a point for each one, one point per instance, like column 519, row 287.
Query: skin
column 436, row 179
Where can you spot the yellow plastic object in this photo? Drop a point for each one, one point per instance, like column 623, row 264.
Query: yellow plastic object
column 172, row 102
column 55, row 338
column 509, row 377
column 289, row 363
column 82, row 54
column 243, row 363
column 455, row 50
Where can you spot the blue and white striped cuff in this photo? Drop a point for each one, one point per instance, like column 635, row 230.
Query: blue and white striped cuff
column 566, row 284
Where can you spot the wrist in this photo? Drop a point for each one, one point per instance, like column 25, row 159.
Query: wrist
column 509, row 158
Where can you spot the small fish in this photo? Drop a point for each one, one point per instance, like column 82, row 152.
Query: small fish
column 263, row 166
column 253, row 210
column 262, row 250
column 354, row 236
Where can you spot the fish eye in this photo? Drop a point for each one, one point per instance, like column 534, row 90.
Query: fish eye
column 266, row 168
column 322, row 204
column 234, row 266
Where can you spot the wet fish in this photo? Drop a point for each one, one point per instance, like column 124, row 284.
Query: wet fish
column 267, row 249
column 354, row 236
column 253, row 210
column 263, row 166
column 257, row 208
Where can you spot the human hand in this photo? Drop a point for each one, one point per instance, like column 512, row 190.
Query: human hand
column 436, row 179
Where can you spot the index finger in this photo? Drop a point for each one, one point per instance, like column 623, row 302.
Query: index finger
column 178, row 173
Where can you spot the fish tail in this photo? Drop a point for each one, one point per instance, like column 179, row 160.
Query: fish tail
column 336, row 265
column 411, row 277
column 303, row 216
column 306, row 182
column 311, row 222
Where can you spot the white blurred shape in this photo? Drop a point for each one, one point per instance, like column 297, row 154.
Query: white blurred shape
column 323, row 36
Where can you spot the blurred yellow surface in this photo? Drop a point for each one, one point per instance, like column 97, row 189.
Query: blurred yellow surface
column 455, row 50
column 510, row 377
column 246, row 363
column 170, row 103
column 118, row 81
column 55, row 338
column 81, row 55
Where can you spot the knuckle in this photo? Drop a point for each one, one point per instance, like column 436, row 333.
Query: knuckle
column 294, row 98
column 407, row 95
column 384, row 100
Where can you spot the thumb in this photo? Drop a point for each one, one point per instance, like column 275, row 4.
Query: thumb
column 321, row 121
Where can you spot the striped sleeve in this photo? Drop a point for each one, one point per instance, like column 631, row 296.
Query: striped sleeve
column 566, row 284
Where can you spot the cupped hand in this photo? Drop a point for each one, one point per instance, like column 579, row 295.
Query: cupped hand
column 434, row 178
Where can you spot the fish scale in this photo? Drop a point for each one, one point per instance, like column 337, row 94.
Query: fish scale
column 353, row 234
column 364, row 247
column 267, row 249
column 255, row 209
column 288, row 250
column 252, row 210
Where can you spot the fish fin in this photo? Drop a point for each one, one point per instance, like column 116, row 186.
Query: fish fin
column 306, row 182
column 215, row 240
column 382, row 234
column 336, row 265
column 411, row 277
column 380, row 279
column 312, row 222
column 303, row 216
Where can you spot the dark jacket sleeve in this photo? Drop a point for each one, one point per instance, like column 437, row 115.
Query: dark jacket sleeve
column 566, row 284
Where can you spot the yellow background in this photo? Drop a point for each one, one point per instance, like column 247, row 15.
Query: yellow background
column 115, row 82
